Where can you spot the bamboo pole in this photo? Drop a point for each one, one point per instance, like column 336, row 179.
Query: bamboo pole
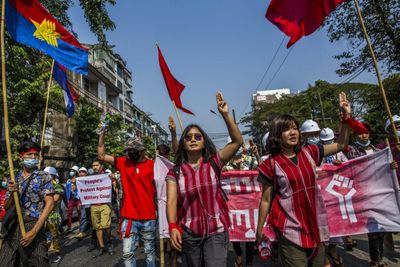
column 45, row 113
column 6, row 124
column 162, row 252
column 178, row 116
column 371, row 50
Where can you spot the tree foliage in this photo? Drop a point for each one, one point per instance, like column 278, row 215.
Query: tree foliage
column 382, row 19
column 28, row 72
column 366, row 100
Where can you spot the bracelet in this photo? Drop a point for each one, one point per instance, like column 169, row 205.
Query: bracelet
column 176, row 226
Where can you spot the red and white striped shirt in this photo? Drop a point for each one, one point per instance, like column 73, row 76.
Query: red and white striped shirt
column 201, row 207
column 294, row 208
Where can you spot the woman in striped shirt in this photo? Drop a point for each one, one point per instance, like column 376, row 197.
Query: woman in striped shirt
column 289, row 173
column 196, row 210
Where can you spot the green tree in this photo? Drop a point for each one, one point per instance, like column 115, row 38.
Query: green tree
column 28, row 72
column 382, row 19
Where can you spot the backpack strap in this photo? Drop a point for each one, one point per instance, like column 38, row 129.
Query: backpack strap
column 177, row 172
column 218, row 174
column 274, row 181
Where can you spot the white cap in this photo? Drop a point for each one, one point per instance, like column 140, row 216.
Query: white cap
column 264, row 139
column 326, row 134
column 75, row 168
column 83, row 169
column 396, row 118
column 108, row 171
column 309, row 126
column 51, row 171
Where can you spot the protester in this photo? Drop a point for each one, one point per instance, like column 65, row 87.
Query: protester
column 362, row 146
column 198, row 215
column 289, row 173
column 3, row 197
column 54, row 219
column 243, row 162
column 138, row 209
column 310, row 132
column 71, row 192
column 392, row 140
column 114, row 195
column 101, row 218
column 36, row 191
column 332, row 258
column 85, row 222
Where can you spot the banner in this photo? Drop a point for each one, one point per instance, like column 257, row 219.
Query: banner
column 244, row 193
column 361, row 195
column 94, row 189
column 161, row 168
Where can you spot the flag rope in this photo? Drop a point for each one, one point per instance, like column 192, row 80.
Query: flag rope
column 6, row 124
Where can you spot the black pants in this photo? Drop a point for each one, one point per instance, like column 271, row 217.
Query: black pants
column 205, row 251
column 375, row 244
column 249, row 251
column 12, row 254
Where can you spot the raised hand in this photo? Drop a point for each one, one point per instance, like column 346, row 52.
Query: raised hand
column 222, row 105
column 344, row 105
column 171, row 125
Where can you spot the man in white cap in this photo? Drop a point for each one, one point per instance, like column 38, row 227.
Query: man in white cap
column 327, row 136
column 84, row 224
column 310, row 132
column 71, row 192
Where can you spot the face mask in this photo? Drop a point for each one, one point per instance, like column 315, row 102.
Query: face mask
column 30, row 163
column 4, row 184
column 363, row 145
column 71, row 174
column 313, row 140
column 134, row 156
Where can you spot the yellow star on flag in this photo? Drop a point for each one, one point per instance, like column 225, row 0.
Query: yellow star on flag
column 46, row 31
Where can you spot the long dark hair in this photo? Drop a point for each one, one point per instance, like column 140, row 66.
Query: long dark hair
column 280, row 124
column 208, row 150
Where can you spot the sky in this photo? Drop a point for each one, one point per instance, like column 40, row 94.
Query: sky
column 211, row 45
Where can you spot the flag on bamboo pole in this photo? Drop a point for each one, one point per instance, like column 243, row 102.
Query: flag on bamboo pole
column 70, row 95
column 31, row 24
column 174, row 87
column 298, row 18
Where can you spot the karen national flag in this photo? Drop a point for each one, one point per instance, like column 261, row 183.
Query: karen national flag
column 70, row 95
column 31, row 24
column 298, row 18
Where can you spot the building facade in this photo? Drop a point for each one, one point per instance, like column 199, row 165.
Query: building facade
column 108, row 86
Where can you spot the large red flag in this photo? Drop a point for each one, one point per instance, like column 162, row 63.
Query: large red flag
column 298, row 18
column 174, row 87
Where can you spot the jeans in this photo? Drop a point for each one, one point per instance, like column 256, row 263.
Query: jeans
column 84, row 224
column 146, row 230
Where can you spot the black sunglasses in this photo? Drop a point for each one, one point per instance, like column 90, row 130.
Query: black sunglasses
column 197, row 137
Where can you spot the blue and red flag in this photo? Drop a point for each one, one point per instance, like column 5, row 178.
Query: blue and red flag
column 70, row 95
column 31, row 24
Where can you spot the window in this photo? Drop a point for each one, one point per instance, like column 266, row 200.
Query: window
column 86, row 84
column 121, row 104
column 119, row 85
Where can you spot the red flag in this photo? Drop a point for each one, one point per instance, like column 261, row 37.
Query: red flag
column 174, row 87
column 298, row 18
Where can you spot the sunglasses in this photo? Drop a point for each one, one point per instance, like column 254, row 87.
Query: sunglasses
column 197, row 137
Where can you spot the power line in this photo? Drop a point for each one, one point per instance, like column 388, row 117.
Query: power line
column 265, row 74
column 279, row 68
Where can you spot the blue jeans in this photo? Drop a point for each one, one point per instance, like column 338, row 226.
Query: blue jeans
column 84, row 224
column 144, row 229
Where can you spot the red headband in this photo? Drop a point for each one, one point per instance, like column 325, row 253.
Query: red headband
column 30, row 150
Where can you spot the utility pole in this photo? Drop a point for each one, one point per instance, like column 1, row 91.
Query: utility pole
column 234, row 116
column 322, row 110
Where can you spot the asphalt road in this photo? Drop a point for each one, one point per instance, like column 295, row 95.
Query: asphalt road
column 74, row 253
